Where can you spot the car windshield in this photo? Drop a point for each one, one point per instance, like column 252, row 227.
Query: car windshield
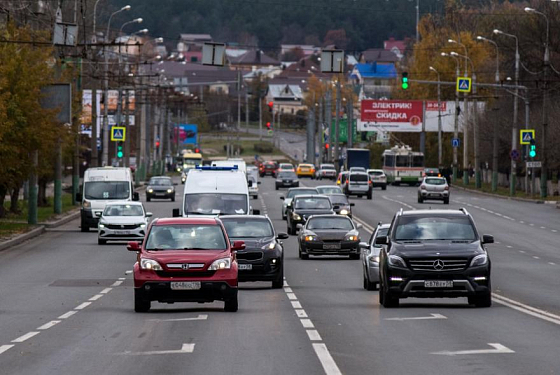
column 335, row 222
column 375, row 173
column 434, row 227
column 286, row 166
column 107, row 190
column 436, row 181
column 215, row 204
column 313, row 203
column 329, row 190
column 287, row 175
column 339, row 199
column 358, row 177
column 123, row 210
column 295, row 193
column 327, row 167
column 186, row 237
column 248, row 228
column 160, row 182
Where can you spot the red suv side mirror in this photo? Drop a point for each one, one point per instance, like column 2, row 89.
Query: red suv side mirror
column 238, row 245
column 135, row 246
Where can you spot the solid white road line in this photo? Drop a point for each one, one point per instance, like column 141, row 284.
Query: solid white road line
column 498, row 349
column 27, row 336
column 529, row 310
column 106, row 290
column 48, row 325
column 313, row 335
column 82, row 306
column 307, row 323
column 432, row 316
column 301, row 313
column 96, row 297
column 327, row 361
column 199, row 317
column 4, row 348
column 67, row 315
column 187, row 348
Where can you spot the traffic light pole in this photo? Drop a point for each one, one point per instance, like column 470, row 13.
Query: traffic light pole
column 337, row 128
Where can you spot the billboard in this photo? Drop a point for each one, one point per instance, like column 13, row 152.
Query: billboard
column 188, row 134
column 343, row 130
column 391, row 115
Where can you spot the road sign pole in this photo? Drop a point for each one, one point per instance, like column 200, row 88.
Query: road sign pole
column 58, row 179
column 455, row 129
column 466, row 141
column 32, row 200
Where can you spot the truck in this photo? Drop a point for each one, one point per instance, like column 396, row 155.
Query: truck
column 357, row 157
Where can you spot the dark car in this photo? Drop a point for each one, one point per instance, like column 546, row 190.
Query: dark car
column 185, row 260
column 341, row 205
column 160, row 187
column 268, row 168
column 303, row 206
column 434, row 253
column 293, row 192
column 329, row 235
column 263, row 256
column 431, row 172
column 286, row 179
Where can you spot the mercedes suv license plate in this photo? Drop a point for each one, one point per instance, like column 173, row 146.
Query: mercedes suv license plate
column 438, row 284
column 332, row 247
column 247, row 267
column 185, row 285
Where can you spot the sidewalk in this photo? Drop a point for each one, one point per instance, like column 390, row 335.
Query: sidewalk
column 520, row 199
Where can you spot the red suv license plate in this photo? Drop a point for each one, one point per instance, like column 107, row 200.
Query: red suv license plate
column 185, row 285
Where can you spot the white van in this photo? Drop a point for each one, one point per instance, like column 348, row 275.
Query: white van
column 253, row 181
column 101, row 186
column 212, row 191
column 241, row 165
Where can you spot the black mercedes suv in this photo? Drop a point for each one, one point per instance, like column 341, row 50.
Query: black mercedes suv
column 434, row 253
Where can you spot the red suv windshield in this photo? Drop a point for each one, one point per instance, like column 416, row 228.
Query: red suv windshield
column 186, row 237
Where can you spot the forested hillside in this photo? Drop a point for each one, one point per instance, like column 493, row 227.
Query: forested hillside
column 269, row 23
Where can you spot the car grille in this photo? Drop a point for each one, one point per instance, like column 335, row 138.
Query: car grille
column 250, row 256
column 185, row 273
column 438, row 265
column 121, row 226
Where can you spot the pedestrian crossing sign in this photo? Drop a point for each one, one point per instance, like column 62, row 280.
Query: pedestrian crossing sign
column 118, row 133
column 463, row 84
column 526, row 136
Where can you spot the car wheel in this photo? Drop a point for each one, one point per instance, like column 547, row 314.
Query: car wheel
column 140, row 304
column 420, row 200
column 354, row 256
column 279, row 281
column 84, row 227
column 297, row 185
column 173, row 199
column 365, row 280
column 370, row 195
column 232, row 304
column 276, row 187
column 388, row 300
column 148, row 199
column 289, row 229
column 304, row 256
column 384, row 187
column 446, row 201
column 481, row 301
column 101, row 242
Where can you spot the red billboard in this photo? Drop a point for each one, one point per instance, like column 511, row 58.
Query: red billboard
column 391, row 115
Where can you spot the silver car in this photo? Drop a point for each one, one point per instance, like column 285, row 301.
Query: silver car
column 326, row 171
column 329, row 189
column 435, row 188
column 123, row 221
column 370, row 257
column 290, row 196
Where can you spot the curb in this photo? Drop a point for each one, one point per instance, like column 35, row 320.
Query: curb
column 22, row 238
column 72, row 215
column 507, row 198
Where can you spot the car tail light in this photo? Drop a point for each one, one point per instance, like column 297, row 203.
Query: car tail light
column 446, row 188
column 423, row 187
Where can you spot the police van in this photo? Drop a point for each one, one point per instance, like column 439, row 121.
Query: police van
column 214, row 191
column 101, row 186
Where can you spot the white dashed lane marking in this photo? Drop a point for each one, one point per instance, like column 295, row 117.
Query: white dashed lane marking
column 4, row 348
column 25, row 337
column 48, row 325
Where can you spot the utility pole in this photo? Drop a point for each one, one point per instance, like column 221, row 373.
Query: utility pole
column 128, row 142
column 309, row 143
column 328, row 118
column 423, row 132
column 32, row 201
column 478, row 177
column 238, row 101
column 260, row 115
column 337, row 127
column 544, row 165
column 350, row 126
column 93, row 143
column 513, row 178
column 247, row 110
column 320, row 132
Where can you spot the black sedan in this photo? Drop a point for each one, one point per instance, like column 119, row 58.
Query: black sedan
column 286, row 179
column 329, row 235
column 160, row 187
column 263, row 256
column 341, row 205
column 304, row 206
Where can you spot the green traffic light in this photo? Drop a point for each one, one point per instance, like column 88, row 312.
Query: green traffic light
column 404, row 85
column 120, row 154
column 533, row 152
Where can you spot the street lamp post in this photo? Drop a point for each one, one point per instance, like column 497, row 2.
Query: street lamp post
column 456, row 127
column 106, row 92
column 513, row 174
column 440, row 151
column 544, row 170
column 495, row 126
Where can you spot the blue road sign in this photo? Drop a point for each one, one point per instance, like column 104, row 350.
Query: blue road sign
column 463, row 84
column 455, row 142
column 514, row 154
column 118, row 133
column 526, row 136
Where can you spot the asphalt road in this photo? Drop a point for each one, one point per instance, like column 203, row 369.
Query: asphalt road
column 66, row 307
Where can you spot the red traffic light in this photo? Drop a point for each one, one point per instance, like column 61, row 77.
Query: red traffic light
column 271, row 104
column 157, row 143
column 268, row 125
column 197, row 150
column 327, row 146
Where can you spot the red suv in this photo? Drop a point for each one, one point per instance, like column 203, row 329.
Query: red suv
column 185, row 260
column 268, row 167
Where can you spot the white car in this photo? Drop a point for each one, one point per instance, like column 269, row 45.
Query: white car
column 326, row 171
column 123, row 221
column 435, row 188
column 378, row 178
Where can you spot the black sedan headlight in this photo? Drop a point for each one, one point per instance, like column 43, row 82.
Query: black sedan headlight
column 396, row 261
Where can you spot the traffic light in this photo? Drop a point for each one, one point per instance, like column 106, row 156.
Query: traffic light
column 532, row 149
column 270, row 106
column 404, row 81
column 157, row 143
column 327, row 146
column 268, row 125
column 197, row 150
column 120, row 152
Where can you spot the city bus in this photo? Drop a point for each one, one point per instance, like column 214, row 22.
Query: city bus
column 191, row 160
column 402, row 165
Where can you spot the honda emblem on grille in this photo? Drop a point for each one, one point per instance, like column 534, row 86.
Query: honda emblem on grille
column 122, row 226
column 438, row 265
column 185, row 266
